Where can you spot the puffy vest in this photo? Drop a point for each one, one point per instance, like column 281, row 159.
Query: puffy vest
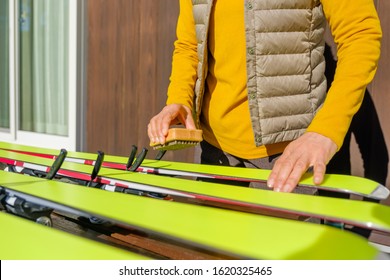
column 285, row 64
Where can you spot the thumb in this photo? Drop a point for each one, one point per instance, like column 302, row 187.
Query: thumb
column 189, row 122
column 187, row 118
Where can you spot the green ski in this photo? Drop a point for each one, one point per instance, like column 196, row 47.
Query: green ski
column 362, row 214
column 26, row 240
column 332, row 182
column 232, row 233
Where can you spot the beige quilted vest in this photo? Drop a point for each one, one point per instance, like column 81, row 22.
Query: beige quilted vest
column 285, row 64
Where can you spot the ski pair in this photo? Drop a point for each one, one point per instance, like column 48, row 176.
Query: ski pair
column 362, row 214
column 332, row 182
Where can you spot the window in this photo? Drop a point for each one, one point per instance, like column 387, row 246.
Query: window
column 4, row 66
column 38, row 80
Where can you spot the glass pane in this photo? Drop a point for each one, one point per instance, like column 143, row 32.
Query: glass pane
column 4, row 65
column 44, row 36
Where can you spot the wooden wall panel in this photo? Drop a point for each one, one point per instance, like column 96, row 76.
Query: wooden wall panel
column 130, row 47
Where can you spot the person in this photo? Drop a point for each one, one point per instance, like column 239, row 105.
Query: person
column 250, row 74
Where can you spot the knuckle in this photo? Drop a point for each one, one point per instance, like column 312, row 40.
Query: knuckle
column 301, row 165
column 319, row 167
column 287, row 164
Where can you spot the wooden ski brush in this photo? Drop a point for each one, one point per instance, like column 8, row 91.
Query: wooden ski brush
column 179, row 138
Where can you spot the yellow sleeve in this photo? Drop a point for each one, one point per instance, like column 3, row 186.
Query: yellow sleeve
column 185, row 59
column 357, row 33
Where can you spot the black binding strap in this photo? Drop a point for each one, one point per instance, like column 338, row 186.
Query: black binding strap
column 57, row 164
column 160, row 154
column 96, row 167
column 131, row 157
column 139, row 160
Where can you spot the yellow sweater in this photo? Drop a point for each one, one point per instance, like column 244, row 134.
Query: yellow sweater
column 225, row 116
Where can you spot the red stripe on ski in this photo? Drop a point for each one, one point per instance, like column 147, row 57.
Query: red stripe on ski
column 123, row 184
column 149, row 170
column 74, row 174
column 32, row 154
column 114, row 165
column 12, row 162
column 8, row 161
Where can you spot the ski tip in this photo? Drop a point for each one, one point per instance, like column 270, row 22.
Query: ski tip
column 179, row 138
column 380, row 193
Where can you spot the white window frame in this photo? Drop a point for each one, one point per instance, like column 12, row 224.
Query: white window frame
column 17, row 136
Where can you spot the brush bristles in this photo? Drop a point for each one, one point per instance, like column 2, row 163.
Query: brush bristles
column 175, row 145
column 179, row 138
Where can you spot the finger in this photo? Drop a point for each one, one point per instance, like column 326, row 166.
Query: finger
column 274, row 175
column 155, row 127
column 185, row 117
column 190, row 124
column 166, row 122
column 319, row 170
column 294, row 177
column 168, row 117
column 283, row 174
column 152, row 130
column 282, row 170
